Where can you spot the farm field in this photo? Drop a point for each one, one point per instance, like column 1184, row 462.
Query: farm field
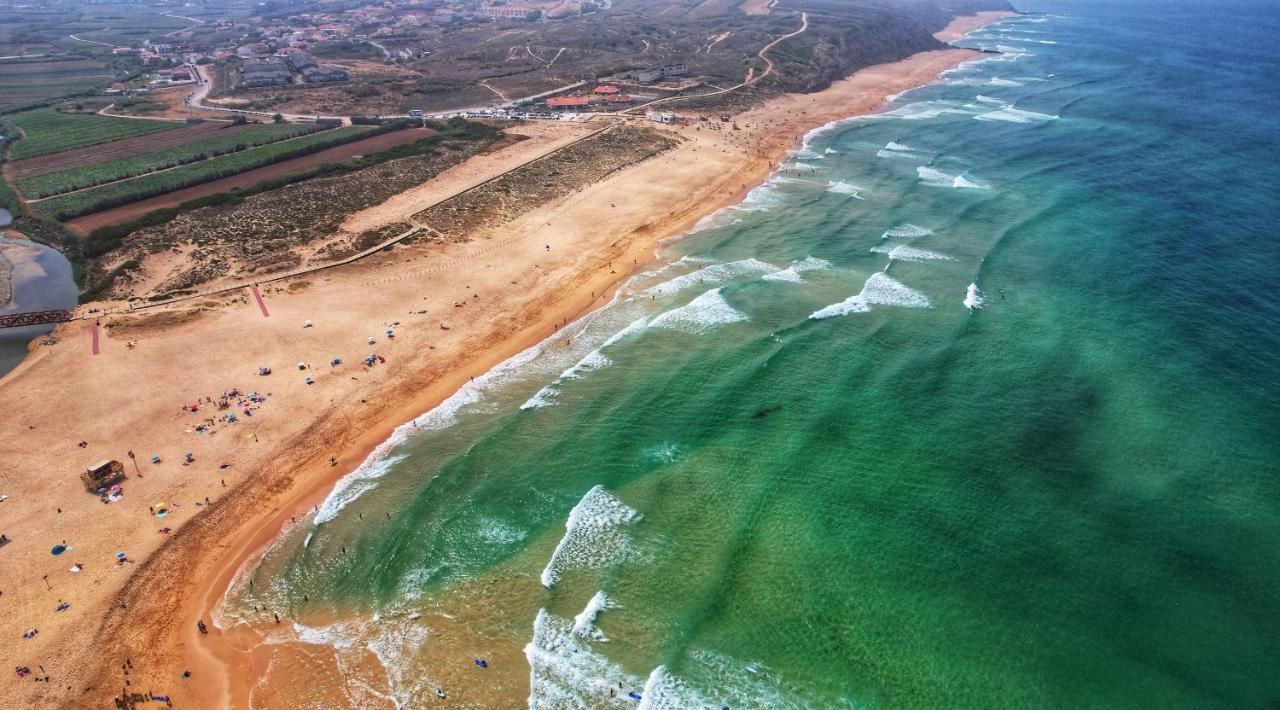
column 88, row 155
column 49, row 131
column 74, row 204
column 56, row 183
column 30, row 81
column 126, row 27
column 337, row 154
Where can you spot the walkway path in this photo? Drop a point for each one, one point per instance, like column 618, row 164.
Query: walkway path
column 751, row 78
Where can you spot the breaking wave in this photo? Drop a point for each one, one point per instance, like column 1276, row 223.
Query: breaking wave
column 713, row 274
column 704, row 312
column 937, row 178
column 592, row 535
column 973, row 297
column 903, row 252
column 792, row 273
column 840, row 187
column 906, row 231
column 584, row 624
column 879, row 290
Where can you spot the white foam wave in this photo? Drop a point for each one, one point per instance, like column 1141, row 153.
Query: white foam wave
column 592, row 537
column 1010, row 114
column 564, row 672
column 997, row 81
column 840, row 187
column 715, row 273
column 584, row 624
column 594, row 360
column 544, row 397
column 765, row 196
column 362, row 480
column 973, row 297
column 379, row 462
column 937, row 178
column 664, row 691
column 792, row 273
column 882, row 290
column 500, row 532
column 706, row 311
column 849, row 306
column 903, row 252
column 922, row 110
column 899, row 150
column 879, row 290
column 397, row 643
column 906, row 231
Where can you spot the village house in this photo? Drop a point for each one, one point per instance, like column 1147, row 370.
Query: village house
column 566, row 103
column 271, row 71
column 648, row 76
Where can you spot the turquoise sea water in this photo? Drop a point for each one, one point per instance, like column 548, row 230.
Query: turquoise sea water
column 974, row 404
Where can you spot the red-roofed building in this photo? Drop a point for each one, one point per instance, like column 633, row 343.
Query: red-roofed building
column 561, row 103
column 619, row 99
column 606, row 89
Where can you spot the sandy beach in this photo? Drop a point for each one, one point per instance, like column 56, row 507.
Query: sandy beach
column 130, row 626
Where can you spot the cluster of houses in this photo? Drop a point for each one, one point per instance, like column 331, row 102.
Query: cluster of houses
column 278, row 70
column 606, row 95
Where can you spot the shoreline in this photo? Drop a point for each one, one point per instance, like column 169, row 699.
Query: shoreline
column 153, row 612
column 231, row 650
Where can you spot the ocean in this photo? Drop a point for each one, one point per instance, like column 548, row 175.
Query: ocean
column 974, row 404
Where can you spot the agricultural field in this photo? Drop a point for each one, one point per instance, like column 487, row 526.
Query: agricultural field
column 88, row 155
column 124, row 26
column 233, row 139
column 49, row 131
column 24, row 82
column 74, row 204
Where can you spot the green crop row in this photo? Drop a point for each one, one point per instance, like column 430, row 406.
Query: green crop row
column 49, row 131
column 99, row 198
column 56, row 183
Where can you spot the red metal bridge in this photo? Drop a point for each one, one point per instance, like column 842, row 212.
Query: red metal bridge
column 18, row 320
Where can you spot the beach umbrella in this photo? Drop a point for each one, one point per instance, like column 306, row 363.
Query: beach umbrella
column 119, row 555
column 58, row 549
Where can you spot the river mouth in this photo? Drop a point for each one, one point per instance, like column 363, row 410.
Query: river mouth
column 38, row 278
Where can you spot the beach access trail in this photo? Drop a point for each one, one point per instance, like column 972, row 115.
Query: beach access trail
column 130, row 626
